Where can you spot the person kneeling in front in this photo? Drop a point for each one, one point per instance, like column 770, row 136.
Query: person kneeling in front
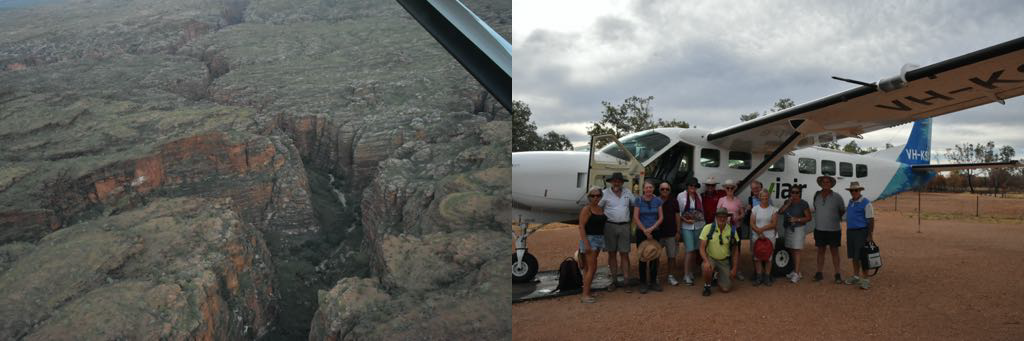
column 718, row 242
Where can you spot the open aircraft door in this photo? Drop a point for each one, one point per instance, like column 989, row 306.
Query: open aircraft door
column 602, row 166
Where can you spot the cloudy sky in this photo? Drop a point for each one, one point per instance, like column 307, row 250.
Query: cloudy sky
column 707, row 62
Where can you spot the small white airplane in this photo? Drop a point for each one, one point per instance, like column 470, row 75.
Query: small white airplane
column 780, row 150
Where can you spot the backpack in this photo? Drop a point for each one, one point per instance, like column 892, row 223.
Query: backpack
column 732, row 240
column 763, row 249
column 870, row 258
column 569, row 276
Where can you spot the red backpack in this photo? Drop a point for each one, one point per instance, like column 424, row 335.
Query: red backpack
column 763, row 249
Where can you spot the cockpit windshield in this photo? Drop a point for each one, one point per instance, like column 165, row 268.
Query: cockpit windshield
column 643, row 145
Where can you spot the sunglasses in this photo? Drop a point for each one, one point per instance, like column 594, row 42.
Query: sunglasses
column 666, row 189
column 730, row 187
column 595, row 195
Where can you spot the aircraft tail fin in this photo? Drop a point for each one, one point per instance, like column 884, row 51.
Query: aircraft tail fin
column 917, row 151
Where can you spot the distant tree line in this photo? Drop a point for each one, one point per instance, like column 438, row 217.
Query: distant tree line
column 524, row 132
column 986, row 181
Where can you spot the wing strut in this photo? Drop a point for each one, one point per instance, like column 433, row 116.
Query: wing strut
column 484, row 53
column 785, row 147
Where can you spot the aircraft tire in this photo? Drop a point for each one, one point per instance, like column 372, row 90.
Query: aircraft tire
column 782, row 262
column 525, row 271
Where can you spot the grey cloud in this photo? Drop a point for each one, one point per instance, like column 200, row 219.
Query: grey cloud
column 611, row 28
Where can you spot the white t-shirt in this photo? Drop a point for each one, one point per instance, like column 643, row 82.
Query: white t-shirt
column 681, row 198
column 763, row 216
column 616, row 208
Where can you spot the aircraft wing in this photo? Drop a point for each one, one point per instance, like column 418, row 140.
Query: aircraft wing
column 989, row 75
column 965, row 166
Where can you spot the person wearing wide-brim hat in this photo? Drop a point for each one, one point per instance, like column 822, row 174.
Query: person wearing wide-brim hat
column 860, row 225
column 615, row 202
column 710, row 199
column 828, row 212
column 718, row 249
column 690, row 220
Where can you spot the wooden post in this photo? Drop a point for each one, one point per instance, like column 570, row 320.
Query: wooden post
column 977, row 205
column 896, row 202
column 919, row 211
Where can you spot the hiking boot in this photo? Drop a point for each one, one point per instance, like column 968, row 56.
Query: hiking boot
column 672, row 280
column 627, row 288
column 839, row 279
column 611, row 286
column 688, row 279
column 643, row 288
column 853, row 280
column 757, row 280
column 707, row 290
column 818, row 277
column 768, row 280
column 656, row 287
column 865, row 284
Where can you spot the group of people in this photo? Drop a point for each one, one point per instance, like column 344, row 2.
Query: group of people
column 711, row 225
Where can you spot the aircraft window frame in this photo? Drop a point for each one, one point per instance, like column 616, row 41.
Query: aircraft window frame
column 829, row 170
column 717, row 160
column 846, row 171
column 740, row 160
column 858, row 170
column 807, row 165
column 650, row 143
column 778, row 166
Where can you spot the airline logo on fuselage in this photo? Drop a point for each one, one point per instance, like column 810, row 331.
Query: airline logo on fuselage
column 933, row 97
column 781, row 190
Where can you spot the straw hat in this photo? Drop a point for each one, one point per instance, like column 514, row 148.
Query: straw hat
column 826, row 177
column 711, row 180
column 649, row 250
column 855, row 185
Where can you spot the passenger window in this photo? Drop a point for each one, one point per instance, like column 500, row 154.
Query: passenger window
column 807, row 165
column 862, row 170
column 828, row 167
column 709, row 157
column 778, row 166
column 739, row 160
column 845, row 169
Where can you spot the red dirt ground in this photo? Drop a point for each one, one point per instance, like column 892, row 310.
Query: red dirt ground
column 957, row 279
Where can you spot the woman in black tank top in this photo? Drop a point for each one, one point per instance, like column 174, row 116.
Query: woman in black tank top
column 591, row 227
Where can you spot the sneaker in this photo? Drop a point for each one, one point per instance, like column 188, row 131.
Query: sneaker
column 643, row 288
column 739, row 276
column 865, row 284
column 688, row 279
column 707, row 290
column 672, row 280
column 757, row 280
column 839, row 279
column 611, row 286
column 795, row 278
column 852, row 280
column 818, row 277
column 656, row 287
column 627, row 288
column 588, row 299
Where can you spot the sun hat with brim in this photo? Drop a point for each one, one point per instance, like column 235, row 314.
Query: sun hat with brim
column 855, row 186
column 616, row 176
column 649, row 250
column 729, row 183
column 711, row 180
column 691, row 182
column 722, row 211
column 826, row 177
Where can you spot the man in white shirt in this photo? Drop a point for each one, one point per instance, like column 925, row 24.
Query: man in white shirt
column 616, row 201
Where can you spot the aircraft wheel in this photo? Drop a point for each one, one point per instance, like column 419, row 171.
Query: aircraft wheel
column 525, row 270
column 782, row 262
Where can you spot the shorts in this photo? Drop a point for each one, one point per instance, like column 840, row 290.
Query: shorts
column 795, row 238
column 827, row 238
column 671, row 246
column 691, row 238
column 723, row 268
column 855, row 239
column 616, row 237
column 596, row 243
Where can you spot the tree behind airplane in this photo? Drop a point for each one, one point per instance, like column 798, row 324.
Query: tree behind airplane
column 633, row 115
column 524, row 132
